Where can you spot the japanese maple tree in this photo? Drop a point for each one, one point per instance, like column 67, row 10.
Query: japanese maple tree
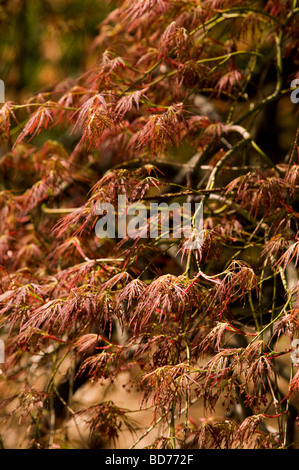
column 189, row 101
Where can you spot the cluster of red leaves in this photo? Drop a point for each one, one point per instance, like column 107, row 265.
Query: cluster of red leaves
column 191, row 321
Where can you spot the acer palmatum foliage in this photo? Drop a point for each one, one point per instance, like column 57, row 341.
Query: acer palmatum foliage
column 175, row 109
